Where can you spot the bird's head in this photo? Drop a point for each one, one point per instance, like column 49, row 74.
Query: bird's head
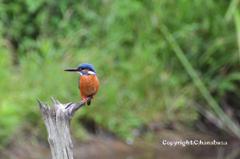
column 83, row 69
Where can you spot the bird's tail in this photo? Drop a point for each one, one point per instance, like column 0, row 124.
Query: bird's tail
column 88, row 102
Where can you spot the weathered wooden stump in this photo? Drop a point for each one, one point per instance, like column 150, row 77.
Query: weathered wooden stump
column 57, row 120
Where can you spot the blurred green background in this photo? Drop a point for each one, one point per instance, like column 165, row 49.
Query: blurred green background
column 159, row 61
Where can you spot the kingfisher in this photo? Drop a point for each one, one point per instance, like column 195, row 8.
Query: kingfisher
column 88, row 81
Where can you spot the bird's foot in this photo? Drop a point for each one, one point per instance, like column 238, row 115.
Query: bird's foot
column 84, row 100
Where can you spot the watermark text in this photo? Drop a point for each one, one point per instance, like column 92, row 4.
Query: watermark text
column 193, row 142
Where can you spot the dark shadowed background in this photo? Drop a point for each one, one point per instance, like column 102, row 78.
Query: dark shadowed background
column 168, row 70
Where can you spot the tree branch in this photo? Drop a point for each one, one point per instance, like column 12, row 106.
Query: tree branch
column 57, row 121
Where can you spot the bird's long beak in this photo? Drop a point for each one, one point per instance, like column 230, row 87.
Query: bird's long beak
column 71, row 70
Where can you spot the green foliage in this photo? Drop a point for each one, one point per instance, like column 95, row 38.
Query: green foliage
column 9, row 120
column 141, row 78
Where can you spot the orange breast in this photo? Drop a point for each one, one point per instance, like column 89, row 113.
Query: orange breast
column 89, row 85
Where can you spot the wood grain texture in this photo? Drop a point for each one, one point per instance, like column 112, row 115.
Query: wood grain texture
column 57, row 121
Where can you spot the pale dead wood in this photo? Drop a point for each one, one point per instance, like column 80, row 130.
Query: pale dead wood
column 57, row 121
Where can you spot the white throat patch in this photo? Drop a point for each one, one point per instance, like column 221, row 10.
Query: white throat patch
column 88, row 73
